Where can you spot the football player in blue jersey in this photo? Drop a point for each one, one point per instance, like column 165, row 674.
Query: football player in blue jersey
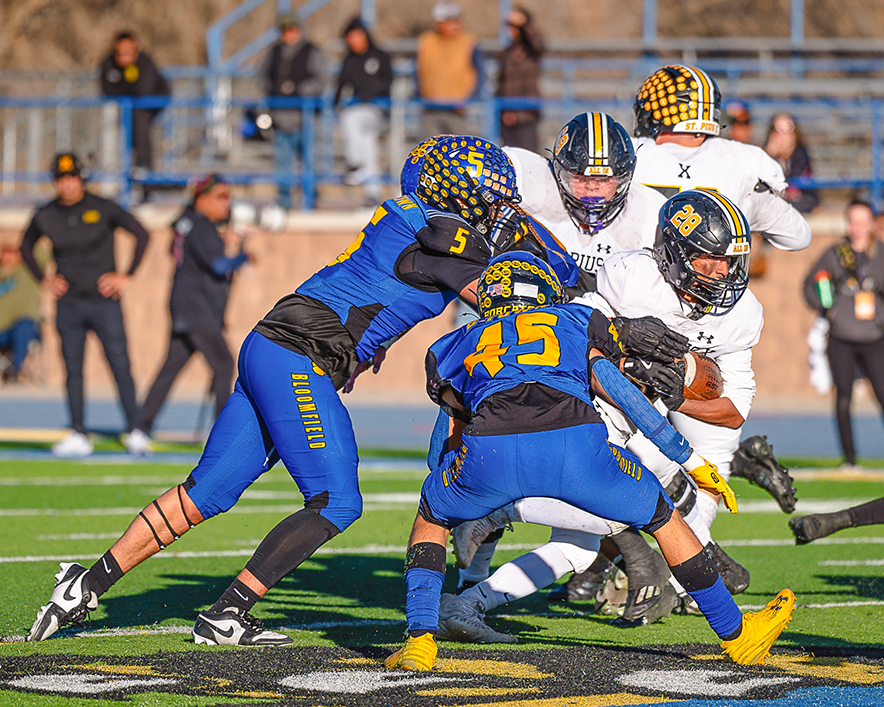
column 520, row 381
column 418, row 253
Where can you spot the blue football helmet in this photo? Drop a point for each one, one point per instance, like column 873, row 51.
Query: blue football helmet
column 408, row 177
column 593, row 162
column 703, row 223
column 467, row 176
column 517, row 281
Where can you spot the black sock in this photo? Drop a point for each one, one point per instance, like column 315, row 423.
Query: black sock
column 238, row 595
column 104, row 574
column 871, row 513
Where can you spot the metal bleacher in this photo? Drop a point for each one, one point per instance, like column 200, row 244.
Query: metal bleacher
column 834, row 88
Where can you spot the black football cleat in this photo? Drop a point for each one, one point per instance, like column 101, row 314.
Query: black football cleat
column 733, row 574
column 234, row 627
column 584, row 586
column 755, row 462
column 809, row 528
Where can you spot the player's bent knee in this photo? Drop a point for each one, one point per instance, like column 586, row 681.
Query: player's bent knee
column 662, row 514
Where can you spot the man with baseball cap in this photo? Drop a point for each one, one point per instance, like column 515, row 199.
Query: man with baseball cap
column 200, row 289
column 87, row 286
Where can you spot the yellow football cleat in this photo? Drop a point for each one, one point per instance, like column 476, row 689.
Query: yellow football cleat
column 760, row 630
column 417, row 654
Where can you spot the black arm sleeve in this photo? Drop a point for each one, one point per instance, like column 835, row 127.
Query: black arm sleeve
column 439, row 272
column 128, row 222
column 31, row 236
column 602, row 335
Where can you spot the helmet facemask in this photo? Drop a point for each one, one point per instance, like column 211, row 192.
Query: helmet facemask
column 592, row 200
column 715, row 296
column 593, row 163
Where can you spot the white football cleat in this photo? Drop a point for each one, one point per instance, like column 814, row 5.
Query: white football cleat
column 234, row 627
column 75, row 446
column 138, row 443
column 70, row 603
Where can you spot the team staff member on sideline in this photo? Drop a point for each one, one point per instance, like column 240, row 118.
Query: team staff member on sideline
column 846, row 286
column 200, row 289
column 87, row 285
column 414, row 257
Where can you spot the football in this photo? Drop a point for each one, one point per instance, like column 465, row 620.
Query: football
column 702, row 377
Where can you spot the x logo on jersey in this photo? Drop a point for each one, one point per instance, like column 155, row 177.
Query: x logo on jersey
column 684, row 171
column 599, row 247
column 705, row 337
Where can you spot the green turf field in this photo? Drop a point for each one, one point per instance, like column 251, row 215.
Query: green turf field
column 350, row 594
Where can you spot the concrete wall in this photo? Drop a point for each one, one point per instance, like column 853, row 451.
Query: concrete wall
column 286, row 259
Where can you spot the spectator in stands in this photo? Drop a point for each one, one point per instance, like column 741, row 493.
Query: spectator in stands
column 738, row 121
column 292, row 68
column 200, row 289
column 846, row 286
column 786, row 145
column 449, row 69
column 519, row 77
column 88, row 288
column 130, row 72
column 19, row 309
column 366, row 75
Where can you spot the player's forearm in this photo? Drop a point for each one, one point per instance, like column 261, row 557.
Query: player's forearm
column 721, row 412
column 608, row 382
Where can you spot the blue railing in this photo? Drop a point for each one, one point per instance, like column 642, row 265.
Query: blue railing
column 318, row 125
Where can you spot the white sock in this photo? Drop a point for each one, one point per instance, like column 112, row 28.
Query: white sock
column 480, row 567
column 521, row 577
column 707, row 509
column 557, row 514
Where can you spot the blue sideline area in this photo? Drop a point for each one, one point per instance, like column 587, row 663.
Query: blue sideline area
column 409, row 427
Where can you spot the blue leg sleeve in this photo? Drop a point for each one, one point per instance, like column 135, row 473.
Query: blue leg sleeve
column 638, row 409
column 423, row 589
column 719, row 608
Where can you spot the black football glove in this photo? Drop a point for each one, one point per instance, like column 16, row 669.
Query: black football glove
column 649, row 338
column 665, row 379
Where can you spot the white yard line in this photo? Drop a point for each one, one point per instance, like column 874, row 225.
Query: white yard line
column 377, row 501
column 391, row 549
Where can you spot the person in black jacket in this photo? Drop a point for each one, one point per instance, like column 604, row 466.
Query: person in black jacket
column 130, row 72
column 366, row 75
column 293, row 67
column 87, row 285
column 846, row 286
column 200, row 289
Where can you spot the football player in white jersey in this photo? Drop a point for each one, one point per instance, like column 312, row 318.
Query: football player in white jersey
column 695, row 280
column 677, row 125
column 585, row 193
